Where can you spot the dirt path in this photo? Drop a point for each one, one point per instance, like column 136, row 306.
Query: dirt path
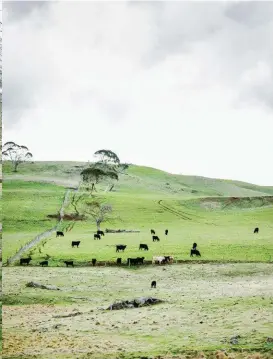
column 43, row 235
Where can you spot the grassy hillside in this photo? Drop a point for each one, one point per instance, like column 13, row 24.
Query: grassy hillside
column 192, row 208
column 219, row 300
column 144, row 180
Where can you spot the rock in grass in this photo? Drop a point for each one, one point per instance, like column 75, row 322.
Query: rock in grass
column 41, row 286
column 135, row 303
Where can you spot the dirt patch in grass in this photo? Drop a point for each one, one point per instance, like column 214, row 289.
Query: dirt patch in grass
column 67, row 217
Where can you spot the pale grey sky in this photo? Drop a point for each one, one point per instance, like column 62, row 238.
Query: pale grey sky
column 186, row 87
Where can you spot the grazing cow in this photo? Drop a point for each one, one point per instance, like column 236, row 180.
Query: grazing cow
column 196, row 252
column 69, row 263
column 101, row 233
column 140, row 260
column 132, row 261
column 59, row 234
column 44, row 263
column 194, row 245
column 166, row 232
column 158, row 259
column 25, row 261
column 96, row 236
column 155, row 238
column 94, row 261
column 152, row 231
column 75, row 243
column 120, row 247
column 135, row 261
column 153, row 284
column 143, row 246
column 256, row 230
column 118, row 261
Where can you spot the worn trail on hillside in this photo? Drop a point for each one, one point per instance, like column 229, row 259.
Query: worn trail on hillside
column 180, row 214
column 43, row 235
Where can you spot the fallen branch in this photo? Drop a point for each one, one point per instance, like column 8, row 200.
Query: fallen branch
column 41, row 286
column 67, row 315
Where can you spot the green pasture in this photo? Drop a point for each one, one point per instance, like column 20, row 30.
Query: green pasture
column 222, row 234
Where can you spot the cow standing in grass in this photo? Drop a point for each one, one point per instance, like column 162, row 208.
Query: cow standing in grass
column 166, row 232
column 25, row 260
column 75, row 243
column 44, row 263
column 59, row 234
column 97, row 236
column 143, row 246
column 194, row 246
column 156, row 238
column 120, row 247
column 69, row 263
column 195, row 252
column 152, row 231
column 256, row 230
column 100, row 233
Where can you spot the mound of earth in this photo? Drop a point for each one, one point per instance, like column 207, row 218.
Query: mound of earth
column 67, row 217
column 212, row 203
column 135, row 303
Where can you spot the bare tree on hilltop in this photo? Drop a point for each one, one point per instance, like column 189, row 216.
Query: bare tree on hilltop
column 17, row 154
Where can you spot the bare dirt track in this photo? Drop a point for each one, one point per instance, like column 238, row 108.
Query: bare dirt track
column 205, row 306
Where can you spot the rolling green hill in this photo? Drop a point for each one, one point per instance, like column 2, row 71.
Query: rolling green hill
column 217, row 214
column 140, row 179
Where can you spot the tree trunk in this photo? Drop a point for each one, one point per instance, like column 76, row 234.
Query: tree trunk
column 98, row 225
column 15, row 166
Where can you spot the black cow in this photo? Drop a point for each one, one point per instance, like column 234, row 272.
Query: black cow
column 140, row 260
column 132, row 261
column 166, row 232
column 101, row 233
column 94, row 261
column 194, row 245
column 118, row 261
column 25, row 261
column 144, row 246
column 196, row 252
column 135, row 261
column 75, row 243
column 44, row 263
column 96, row 236
column 152, row 231
column 153, row 284
column 69, row 263
column 155, row 238
column 120, row 247
column 59, row 234
column 256, row 230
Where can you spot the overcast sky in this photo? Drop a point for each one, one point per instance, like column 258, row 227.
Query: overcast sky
column 185, row 87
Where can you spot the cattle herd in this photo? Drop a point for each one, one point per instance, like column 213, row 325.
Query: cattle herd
column 122, row 247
